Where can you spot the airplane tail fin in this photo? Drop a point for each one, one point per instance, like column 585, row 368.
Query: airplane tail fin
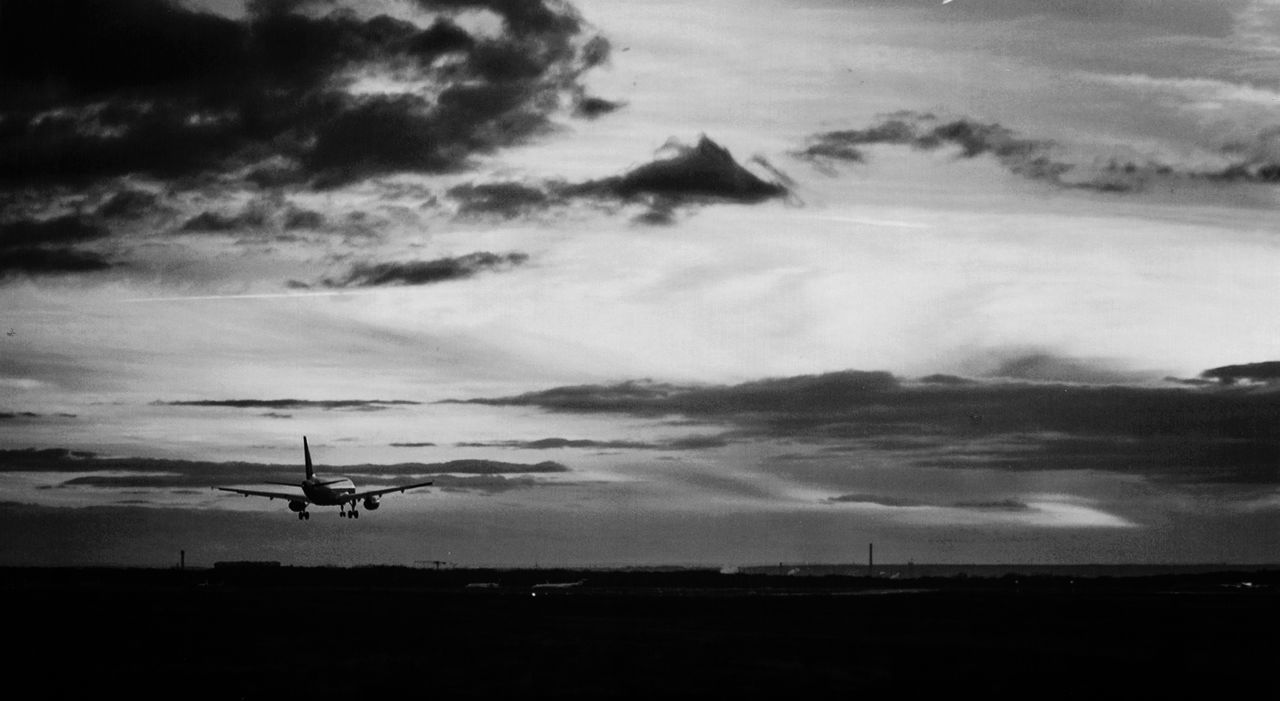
column 306, row 450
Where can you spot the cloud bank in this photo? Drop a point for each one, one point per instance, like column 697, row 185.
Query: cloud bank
column 1203, row 435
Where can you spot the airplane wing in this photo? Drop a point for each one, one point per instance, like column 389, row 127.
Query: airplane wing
column 292, row 496
column 387, row 490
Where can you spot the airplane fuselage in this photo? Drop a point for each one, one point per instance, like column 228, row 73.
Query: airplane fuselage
column 328, row 492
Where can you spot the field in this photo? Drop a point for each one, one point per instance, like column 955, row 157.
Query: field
column 244, row 632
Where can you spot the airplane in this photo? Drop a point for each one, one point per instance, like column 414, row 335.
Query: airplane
column 336, row 491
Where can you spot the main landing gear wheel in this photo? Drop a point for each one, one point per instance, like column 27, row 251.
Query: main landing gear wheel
column 303, row 515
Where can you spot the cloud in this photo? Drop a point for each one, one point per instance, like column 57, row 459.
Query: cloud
column 170, row 474
column 704, row 171
column 58, row 231
column 302, row 219
column 218, row 222
column 907, row 503
column 999, row 505
column 944, row 379
column 876, row 500
column 686, row 443
column 1202, row 435
column 507, row 199
column 47, row 261
column 807, row 393
column 47, row 246
column 1178, row 17
column 426, row 272
column 1046, row 367
column 590, row 107
column 1027, row 157
column 325, row 404
column 12, row 415
column 701, row 174
column 129, row 204
column 169, row 91
column 1268, row 371
column 1035, row 159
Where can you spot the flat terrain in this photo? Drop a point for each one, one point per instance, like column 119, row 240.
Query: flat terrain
column 299, row 632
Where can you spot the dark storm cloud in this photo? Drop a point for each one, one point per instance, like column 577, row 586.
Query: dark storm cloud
column 426, row 272
column 1208, row 434
column 686, row 443
column 325, row 404
column 97, row 88
column 1034, row 159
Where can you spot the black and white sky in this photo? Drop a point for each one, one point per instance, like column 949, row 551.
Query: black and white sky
column 709, row 281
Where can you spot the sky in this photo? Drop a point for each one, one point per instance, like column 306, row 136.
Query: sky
column 720, row 282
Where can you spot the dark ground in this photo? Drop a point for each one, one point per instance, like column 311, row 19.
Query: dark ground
column 383, row 632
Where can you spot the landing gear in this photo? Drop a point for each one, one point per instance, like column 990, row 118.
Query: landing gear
column 303, row 515
column 345, row 514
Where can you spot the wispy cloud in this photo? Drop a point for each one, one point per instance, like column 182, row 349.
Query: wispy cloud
column 1034, row 159
column 685, row 443
column 275, row 404
column 426, row 272
column 171, row 474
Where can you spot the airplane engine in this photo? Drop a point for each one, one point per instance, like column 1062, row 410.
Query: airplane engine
column 371, row 503
column 297, row 505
